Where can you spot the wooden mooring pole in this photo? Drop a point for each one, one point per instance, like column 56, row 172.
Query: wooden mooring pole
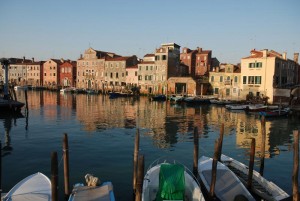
column 196, row 152
column 66, row 165
column 251, row 164
column 263, row 144
column 214, row 169
column 296, row 166
column 135, row 158
column 140, row 178
column 0, row 168
column 26, row 102
column 221, row 141
column 54, row 176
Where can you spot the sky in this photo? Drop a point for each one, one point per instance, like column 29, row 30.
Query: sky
column 66, row 28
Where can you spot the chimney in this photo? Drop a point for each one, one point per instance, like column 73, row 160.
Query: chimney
column 23, row 59
column 32, row 59
column 62, row 60
column 80, row 56
column 284, row 55
column 296, row 57
column 265, row 53
column 199, row 49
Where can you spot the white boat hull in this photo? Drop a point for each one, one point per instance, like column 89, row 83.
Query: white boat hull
column 267, row 190
column 227, row 186
column 34, row 187
column 151, row 186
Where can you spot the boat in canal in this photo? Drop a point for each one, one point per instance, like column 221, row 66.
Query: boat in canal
column 34, row 187
column 92, row 191
column 159, row 97
column 227, row 186
column 170, row 181
column 176, row 98
column 265, row 189
column 10, row 105
column 236, row 106
column 275, row 113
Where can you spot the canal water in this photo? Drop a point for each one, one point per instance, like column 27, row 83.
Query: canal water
column 101, row 134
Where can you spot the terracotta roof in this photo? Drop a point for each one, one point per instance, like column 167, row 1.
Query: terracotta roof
column 204, row 52
column 259, row 54
column 149, row 55
column 117, row 59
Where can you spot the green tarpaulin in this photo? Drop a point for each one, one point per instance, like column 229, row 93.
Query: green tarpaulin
column 171, row 182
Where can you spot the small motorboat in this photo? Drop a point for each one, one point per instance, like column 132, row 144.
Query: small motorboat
column 265, row 189
column 34, row 187
column 159, row 97
column 227, row 186
column 237, row 106
column 170, row 181
column 275, row 113
column 92, row 191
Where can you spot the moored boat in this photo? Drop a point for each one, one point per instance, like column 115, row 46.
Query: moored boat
column 275, row 113
column 236, row 106
column 159, row 97
column 260, row 107
column 176, row 98
column 227, row 186
column 34, row 187
column 170, row 181
column 9, row 105
column 196, row 100
column 261, row 186
column 92, row 191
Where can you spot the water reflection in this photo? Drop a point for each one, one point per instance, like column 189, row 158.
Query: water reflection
column 9, row 120
column 167, row 124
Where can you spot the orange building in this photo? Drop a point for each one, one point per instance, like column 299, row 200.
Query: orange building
column 51, row 73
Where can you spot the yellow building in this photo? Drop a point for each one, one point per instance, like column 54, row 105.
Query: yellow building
column 265, row 71
column 225, row 81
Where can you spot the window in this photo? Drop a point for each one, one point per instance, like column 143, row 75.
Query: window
column 45, row 74
column 251, row 80
column 164, row 57
column 227, row 92
column 257, row 79
column 111, row 75
column 117, row 75
column 258, row 65
column 135, row 73
column 235, row 79
column 216, row 90
column 221, row 78
column 212, row 78
column 146, row 67
column 255, row 65
column 244, row 79
column 126, row 73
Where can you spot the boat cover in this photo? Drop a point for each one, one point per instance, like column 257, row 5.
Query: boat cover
column 171, row 182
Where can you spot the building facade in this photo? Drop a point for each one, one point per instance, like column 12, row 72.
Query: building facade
column 51, row 70
column 198, row 61
column 225, row 81
column 91, row 69
column 265, row 71
column 68, row 74
column 146, row 74
column 17, row 71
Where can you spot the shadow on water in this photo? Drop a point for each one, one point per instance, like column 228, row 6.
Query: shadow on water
column 9, row 120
